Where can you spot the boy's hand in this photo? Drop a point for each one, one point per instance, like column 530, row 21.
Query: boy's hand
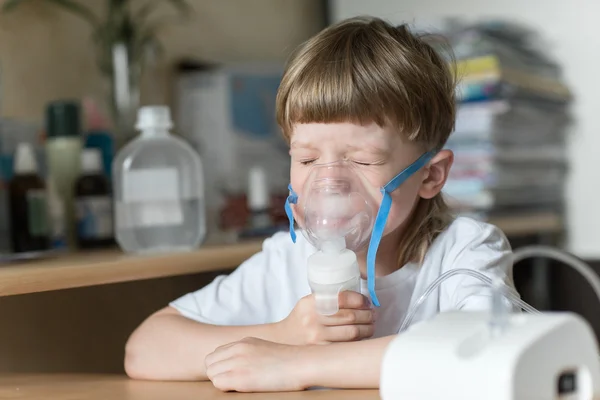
column 354, row 321
column 256, row 365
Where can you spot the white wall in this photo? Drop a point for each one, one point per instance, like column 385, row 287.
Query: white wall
column 572, row 29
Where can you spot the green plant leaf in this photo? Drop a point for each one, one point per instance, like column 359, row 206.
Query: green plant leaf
column 102, row 39
column 182, row 6
column 77, row 9
column 148, row 28
column 151, row 28
column 69, row 5
column 120, row 7
column 147, row 9
column 11, row 5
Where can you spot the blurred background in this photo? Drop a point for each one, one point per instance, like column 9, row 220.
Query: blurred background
column 525, row 138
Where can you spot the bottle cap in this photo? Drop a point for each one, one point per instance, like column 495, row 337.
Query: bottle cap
column 63, row 119
column 91, row 161
column 25, row 161
column 258, row 189
column 154, row 117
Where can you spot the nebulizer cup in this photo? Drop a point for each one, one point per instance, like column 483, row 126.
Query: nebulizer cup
column 337, row 219
column 331, row 270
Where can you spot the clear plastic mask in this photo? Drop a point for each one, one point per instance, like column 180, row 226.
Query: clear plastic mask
column 335, row 205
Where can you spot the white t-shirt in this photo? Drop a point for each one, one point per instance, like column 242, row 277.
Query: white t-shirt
column 267, row 286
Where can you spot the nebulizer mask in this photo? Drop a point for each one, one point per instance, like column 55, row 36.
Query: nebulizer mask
column 338, row 214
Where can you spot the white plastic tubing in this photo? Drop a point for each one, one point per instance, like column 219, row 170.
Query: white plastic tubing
column 518, row 255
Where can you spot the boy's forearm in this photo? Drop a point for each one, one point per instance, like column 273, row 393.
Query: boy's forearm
column 351, row 365
column 169, row 346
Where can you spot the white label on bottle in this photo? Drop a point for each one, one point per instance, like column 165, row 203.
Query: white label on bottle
column 94, row 217
column 150, row 184
column 37, row 212
column 155, row 195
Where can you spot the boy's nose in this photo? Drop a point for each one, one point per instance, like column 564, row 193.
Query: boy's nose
column 337, row 170
column 332, row 185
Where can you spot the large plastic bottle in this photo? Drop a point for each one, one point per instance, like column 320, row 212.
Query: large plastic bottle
column 158, row 189
column 331, row 270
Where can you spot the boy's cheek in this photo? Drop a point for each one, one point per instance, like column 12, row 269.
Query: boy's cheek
column 297, row 179
column 299, row 216
column 396, row 218
column 402, row 207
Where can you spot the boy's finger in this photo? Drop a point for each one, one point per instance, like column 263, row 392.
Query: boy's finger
column 347, row 316
column 220, row 353
column 219, row 367
column 348, row 333
column 355, row 300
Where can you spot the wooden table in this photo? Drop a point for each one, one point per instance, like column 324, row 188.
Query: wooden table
column 119, row 387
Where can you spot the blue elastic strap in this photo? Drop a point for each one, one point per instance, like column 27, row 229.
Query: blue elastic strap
column 380, row 221
column 291, row 199
column 408, row 171
column 382, row 216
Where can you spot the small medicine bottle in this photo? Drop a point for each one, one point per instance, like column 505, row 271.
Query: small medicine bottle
column 259, row 199
column 27, row 204
column 93, row 203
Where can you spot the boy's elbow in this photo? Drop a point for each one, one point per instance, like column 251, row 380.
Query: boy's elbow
column 139, row 357
column 131, row 367
column 140, row 361
column 134, row 364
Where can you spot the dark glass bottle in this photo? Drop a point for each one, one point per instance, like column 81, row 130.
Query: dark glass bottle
column 27, row 204
column 93, row 204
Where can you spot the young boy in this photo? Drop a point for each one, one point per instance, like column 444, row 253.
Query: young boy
column 380, row 98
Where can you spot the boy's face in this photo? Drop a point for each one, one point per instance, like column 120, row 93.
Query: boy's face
column 378, row 154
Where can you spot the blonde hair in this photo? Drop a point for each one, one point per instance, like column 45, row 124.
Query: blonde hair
column 364, row 70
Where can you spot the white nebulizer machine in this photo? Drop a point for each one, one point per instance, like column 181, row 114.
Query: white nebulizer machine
column 495, row 355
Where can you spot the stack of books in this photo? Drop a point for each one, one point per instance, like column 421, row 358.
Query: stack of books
column 512, row 123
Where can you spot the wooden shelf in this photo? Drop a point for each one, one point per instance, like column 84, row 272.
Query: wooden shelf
column 102, row 267
column 529, row 224
column 119, row 387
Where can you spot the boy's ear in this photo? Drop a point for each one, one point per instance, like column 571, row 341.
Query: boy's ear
column 436, row 174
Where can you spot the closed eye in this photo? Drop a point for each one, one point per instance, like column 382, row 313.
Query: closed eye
column 307, row 162
column 361, row 163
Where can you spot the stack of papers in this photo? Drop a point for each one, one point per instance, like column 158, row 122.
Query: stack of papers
column 512, row 122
